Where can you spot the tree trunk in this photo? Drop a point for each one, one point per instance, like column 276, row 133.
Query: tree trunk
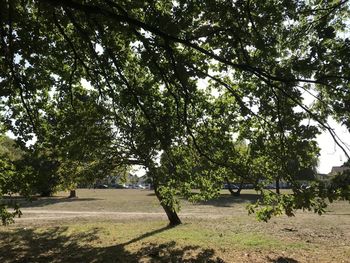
column 72, row 194
column 47, row 193
column 277, row 185
column 234, row 193
column 238, row 192
column 174, row 219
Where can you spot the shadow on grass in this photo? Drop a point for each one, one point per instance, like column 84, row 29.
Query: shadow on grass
column 56, row 245
column 227, row 200
column 284, row 260
column 42, row 201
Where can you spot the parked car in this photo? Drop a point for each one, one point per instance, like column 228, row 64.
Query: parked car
column 233, row 186
column 305, row 186
column 101, row 186
column 248, row 186
column 120, row 186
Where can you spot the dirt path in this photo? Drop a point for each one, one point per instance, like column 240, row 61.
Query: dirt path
column 32, row 214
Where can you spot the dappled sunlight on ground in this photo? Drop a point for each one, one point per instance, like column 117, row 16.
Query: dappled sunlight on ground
column 110, row 225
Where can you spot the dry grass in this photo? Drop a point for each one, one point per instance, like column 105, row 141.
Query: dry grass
column 129, row 226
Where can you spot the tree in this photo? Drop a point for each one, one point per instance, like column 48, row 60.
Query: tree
column 73, row 137
column 147, row 59
column 79, row 128
column 77, row 134
column 9, row 153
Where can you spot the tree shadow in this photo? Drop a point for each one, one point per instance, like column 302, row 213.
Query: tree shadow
column 284, row 260
column 56, row 245
column 26, row 245
column 227, row 200
column 148, row 234
column 42, row 201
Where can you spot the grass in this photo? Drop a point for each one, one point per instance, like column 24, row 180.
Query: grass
column 215, row 231
column 113, row 200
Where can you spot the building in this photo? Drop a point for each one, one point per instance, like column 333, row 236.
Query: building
column 338, row 169
column 322, row 177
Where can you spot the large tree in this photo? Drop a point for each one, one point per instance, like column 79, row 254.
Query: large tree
column 151, row 60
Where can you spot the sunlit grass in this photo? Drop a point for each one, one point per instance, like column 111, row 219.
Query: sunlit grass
column 214, row 231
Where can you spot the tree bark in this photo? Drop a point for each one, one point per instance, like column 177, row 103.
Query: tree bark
column 277, row 185
column 174, row 219
column 47, row 193
column 72, row 194
column 234, row 193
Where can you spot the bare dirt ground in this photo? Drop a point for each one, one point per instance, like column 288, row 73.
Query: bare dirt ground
column 30, row 214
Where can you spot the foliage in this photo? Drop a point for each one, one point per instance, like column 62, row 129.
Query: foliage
column 340, row 186
column 73, row 144
column 179, row 79
column 9, row 153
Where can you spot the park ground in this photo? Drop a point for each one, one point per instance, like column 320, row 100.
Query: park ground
column 120, row 225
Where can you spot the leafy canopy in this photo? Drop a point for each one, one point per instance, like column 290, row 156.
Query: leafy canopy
column 188, row 74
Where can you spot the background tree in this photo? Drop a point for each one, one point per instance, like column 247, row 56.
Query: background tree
column 72, row 144
column 9, row 154
column 78, row 124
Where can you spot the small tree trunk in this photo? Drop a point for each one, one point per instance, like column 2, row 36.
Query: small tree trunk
column 238, row 192
column 47, row 193
column 277, row 185
column 72, row 194
column 234, row 193
column 174, row 219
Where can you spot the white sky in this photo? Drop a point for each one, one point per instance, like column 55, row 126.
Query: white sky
column 331, row 154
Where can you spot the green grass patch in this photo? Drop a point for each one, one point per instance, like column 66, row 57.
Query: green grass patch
column 141, row 241
column 215, row 231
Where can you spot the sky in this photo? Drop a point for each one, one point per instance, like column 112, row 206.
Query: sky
column 331, row 154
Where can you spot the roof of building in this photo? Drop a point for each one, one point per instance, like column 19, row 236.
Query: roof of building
column 339, row 169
